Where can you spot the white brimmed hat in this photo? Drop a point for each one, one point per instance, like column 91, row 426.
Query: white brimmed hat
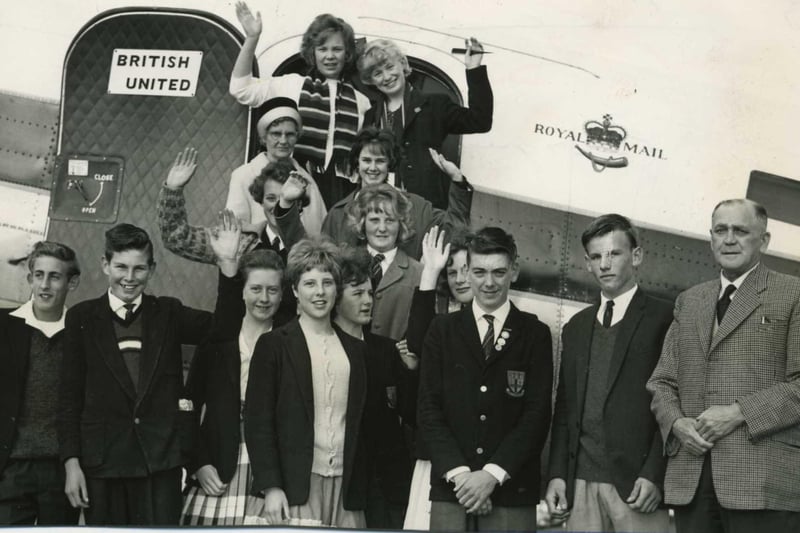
column 277, row 108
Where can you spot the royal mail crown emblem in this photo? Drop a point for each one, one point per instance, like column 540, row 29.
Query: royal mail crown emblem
column 603, row 138
column 604, row 135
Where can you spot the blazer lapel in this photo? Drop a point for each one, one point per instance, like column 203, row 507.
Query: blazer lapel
column 706, row 315
column 106, row 341
column 633, row 316
column 154, row 329
column 471, row 337
column 396, row 270
column 745, row 301
column 357, row 392
column 233, row 363
column 414, row 102
column 300, row 361
column 511, row 326
column 585, row 323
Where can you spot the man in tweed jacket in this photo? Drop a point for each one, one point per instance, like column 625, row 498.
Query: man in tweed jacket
column 726, row 391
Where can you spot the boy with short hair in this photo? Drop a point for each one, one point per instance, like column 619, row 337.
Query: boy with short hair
column 124, row 430
column 31, row 347
column 484, row 400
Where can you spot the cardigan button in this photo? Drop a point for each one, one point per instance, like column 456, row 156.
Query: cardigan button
column 479, row 451
column 483, row 418
column 484, row 388
column 136, row 420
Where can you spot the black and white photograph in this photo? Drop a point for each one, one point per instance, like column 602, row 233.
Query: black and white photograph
column 427, row 266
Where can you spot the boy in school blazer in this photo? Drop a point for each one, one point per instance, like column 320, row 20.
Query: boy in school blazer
column 124, row 427
column 484, row 403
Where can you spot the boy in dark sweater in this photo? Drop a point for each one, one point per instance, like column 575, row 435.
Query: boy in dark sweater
column 31, row 342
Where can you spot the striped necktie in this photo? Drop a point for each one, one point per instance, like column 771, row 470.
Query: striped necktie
column 488, row 338
column 375, row 270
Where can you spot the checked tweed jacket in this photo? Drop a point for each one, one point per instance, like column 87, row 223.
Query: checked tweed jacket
column 753, row 359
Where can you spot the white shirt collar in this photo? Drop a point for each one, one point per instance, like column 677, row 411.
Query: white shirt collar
column 118, row 306
column 621, row 304
column 500, row 315
column 271, row 235
column 388, row 257
column 25, row 312
column 724, row 282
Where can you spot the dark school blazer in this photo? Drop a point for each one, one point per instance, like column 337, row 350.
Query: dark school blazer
column 279, row 416
column 475, row 410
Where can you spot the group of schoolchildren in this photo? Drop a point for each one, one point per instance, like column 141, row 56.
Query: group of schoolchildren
column 363, row 365
column 300, row 405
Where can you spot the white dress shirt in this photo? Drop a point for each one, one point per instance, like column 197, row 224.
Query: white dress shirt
column 388, row 257
column 500, row 315
column 118, row 306
column 621, row 304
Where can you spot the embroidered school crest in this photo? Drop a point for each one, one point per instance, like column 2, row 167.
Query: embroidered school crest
column 391, row 396
column 516, row 383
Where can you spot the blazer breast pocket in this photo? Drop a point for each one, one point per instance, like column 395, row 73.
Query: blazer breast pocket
column 771, row 324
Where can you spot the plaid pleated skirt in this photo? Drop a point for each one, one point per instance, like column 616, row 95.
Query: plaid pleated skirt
column 227, row 509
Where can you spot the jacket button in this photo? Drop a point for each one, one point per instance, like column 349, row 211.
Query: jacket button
column 136, row 420
column 484, row 388
column 483, row 418
column 479, row 451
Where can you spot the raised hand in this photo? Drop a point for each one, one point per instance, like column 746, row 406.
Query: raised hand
column 410, row 359
column 224, row 240
column 251, row 24
column 446, row 166
column 182, row 169
column 434, row 251
column 293, row 189
column 472, row 59
column 434, row 258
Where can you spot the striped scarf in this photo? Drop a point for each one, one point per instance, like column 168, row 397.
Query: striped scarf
column 314, row 108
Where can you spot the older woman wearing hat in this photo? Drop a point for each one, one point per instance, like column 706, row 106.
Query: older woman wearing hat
column 332, row 108
column 278, row 130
